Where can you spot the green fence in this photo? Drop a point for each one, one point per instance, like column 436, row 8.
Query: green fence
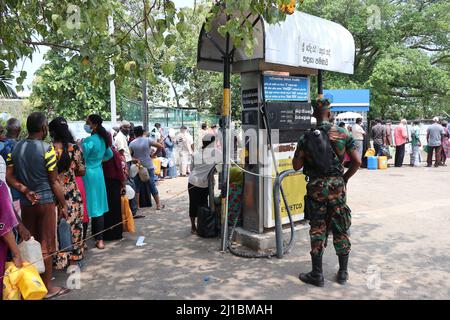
column 131, row 110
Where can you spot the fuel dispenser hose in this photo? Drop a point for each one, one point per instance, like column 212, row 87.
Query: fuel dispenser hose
column 278, row 229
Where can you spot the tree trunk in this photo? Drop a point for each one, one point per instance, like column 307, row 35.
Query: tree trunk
column 177, row 97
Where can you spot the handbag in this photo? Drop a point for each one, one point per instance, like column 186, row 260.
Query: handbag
column 64, row 236
column 207, row 223
column 144, row 176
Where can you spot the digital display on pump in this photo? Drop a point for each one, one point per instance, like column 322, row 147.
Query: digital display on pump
column 285, row 88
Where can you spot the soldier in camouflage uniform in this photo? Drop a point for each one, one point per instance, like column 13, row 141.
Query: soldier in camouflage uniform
column 325, row 202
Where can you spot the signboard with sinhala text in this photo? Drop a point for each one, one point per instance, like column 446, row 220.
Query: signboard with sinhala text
column 281, row 88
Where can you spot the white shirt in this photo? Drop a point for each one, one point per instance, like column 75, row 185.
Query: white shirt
column 204, row 161
column 2, row 169
column 358, row 132
column 184, row 143
column 121, row 143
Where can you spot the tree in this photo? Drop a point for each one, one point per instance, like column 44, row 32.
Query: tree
column 65, row 87
column 199, row 89
column 404, row 60
column 6, row 91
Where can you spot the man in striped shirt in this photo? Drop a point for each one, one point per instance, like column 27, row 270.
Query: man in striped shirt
column 32, row 170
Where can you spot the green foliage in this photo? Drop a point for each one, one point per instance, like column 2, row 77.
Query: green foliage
column 404, row 61
column 6, row 91
column 65, row 87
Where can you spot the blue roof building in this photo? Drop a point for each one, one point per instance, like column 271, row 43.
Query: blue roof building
column 349, row 100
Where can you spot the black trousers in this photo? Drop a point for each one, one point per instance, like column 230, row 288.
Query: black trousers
column 98, row 225
column 114, row 216
column 399, row 155
column 198, row 197
column 378, row 151
column 437, row 151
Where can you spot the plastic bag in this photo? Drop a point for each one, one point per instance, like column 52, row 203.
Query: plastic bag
column 385, row 152
column 164, row 162
column 157, row 165
column 11, row 279
column 408, row 148
column 127, row 216
column 30, row 284
column 31, row 251
column 25, row 282
column 143, row 174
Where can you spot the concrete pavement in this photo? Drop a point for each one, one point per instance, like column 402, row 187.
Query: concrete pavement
column 400, row 237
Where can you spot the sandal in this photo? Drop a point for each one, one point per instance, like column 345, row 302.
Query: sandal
column 139, row 216
column 59, row 293
column 161, row 207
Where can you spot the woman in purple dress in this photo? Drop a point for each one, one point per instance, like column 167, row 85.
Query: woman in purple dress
column 7, row 240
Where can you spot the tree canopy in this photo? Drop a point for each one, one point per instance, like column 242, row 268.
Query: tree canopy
column 402, row 50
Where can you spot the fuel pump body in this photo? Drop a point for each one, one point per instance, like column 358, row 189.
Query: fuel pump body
column 286, row 102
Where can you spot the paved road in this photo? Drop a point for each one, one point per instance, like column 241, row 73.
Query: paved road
column 401, row 250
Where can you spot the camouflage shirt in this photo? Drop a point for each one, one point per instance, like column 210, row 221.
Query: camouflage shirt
column 341, row 141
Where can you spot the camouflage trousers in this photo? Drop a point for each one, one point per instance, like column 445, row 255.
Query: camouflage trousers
column 328, row 211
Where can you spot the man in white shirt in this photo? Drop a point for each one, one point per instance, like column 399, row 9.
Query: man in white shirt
column 358, row 134
column 184, row 150
column 121, row 141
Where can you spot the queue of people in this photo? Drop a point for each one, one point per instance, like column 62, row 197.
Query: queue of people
column 384, row 136
column 48, row 178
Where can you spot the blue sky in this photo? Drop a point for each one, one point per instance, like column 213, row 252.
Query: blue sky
column 31, row 66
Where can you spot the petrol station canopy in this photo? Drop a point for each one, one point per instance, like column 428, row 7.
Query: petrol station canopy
column 301, row 44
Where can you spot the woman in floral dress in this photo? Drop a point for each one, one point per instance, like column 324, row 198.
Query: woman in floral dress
column 70, row 165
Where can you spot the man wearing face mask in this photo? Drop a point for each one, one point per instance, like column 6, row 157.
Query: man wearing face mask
column 121, row 142
column 32, row 170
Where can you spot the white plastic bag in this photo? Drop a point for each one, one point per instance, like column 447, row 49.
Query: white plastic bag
column 31, row 252
column 408, row 148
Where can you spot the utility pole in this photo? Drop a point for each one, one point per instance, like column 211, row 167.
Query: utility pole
column 112, row 85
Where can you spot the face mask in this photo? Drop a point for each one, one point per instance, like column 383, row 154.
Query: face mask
column 126, row 131
column 87, row 128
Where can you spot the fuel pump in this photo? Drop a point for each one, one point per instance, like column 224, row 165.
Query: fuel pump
column 275, row 83
column 278, row 109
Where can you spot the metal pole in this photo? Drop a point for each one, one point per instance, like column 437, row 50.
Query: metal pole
column 112, row 85
column 226, row 134
column 320, row 84
column 144, row 104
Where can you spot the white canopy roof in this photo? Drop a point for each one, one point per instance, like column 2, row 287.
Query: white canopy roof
column 348, row 115
column 302, row 43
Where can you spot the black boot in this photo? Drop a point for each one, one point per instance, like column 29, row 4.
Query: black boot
column 315, row 277
column 342, row 275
